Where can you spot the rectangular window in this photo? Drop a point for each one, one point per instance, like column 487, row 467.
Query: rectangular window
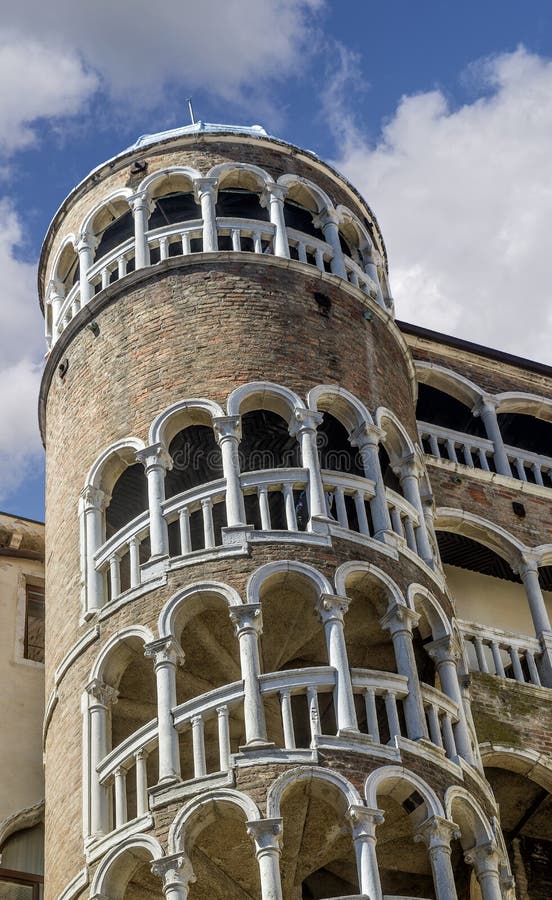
column 34, row 623
column 20, row 885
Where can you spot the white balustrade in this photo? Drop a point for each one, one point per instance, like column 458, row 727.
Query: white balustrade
column 310, row 249
column 531, row 467
column 176, row 240
column 441, row 714
column 467, row 449
column 112, row 266
column 338, row 487
column 275, row 481
column 404, row 518
column 360, row 279
column 496, row 652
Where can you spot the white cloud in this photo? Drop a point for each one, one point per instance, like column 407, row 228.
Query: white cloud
column 464, row 199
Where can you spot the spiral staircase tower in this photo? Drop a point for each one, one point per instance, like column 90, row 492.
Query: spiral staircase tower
column 256, row 684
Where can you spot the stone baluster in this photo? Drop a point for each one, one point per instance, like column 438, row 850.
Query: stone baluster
column 273, row 196
column 304, row 428
column 267, row 835
column 328, row 221
column 228, row 435
column 247, row 621
column 142, row 206
column 399, row 621
column 331, row 610
column 56, row 296
column 156, row 461
column 176, row 873
column 409, row 471
column 446, row 652
column 94, row 502
column 167, row 655
column 367, row 438
column 436, row 833
column 86, row 246
column 205, row 194
column 363, row 821
column 485, row 860
column 486, row 408
column 101, row 698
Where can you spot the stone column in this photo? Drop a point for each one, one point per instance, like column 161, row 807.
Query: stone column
column 486, row 408
column 86, row 246
column 304, row 428
column 141, row 207
column 529, row 573
column 176, row 873
column 205, row 194
column 228, row 435
column 101, row 698
column 446, row 652
column 399, row 621
column 273, row 196
column 56, row 296
column 328, row 221
column 94, row 503
column 363, row 821
column 367, row 438
column 248, row 626
column 267, row 835
column 331, row 610
column 371, row 269
column 409, row 472
column 156, row 461
column 436, row 833
column 485, row 860
column 167, row 655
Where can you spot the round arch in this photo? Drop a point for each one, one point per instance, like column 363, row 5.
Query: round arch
column 248, row 174
column 69, row 240
column 483, row 531
column 450, row 382
column 199, row 591
column 464, row 809
column 396, row 441
column 396, row 777
column 180, row 828
column 194, row 411
column 279, row 787
column 263, row 395
column 110, row 464
column 522, row 761
column 337, row 401
column 524, row 404
column 147, row 186
column 321, row 199
column 364, row 239
column 120, row 194
column 143, row 846
column 347, row 569
column 104, row 668
column 280, row 569
column 435, row 615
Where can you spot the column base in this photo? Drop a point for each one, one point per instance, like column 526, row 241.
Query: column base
column 320, row 524
column 236, row 535
column 256, row 745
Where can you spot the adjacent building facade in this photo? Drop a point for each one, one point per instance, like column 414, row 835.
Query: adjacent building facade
column 298, row 554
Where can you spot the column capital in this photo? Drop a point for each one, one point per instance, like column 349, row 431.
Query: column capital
column 227, row 427
column 483, row 857
column 154, row 457
column 409, row 466
column 86, row 241
column 246, row 617
column 326, row 217
column 105, row 694
column 399, row 618
column 56, row 288
column 331, row 607
column 485, row 403
column 444, row 649
column 363, row 820
column 273, row 191
column 141, row 200
column 304, row 420
column 266, row 833
column 165, row 650
column 366, row 433
column 94, row 497
column 437, row 832
column 174, row 870
column 204, row 186
column 529, row 563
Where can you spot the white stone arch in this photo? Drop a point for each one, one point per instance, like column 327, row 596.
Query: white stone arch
column 112, row 462
column 474, row 824
column 279, row 787
column 321, row 199
column 524, row 404
column 485, row 532
column 346, row 569
column 247, row 174
column 339, row 402
column 119, row 194
column 136, row 847
column 458, row 386
column 519, row 760
column 180, row 829
column 401, row 780
column 434, row 613
column 105, row 668
column 396, row 440
column 147, row 186
column 544, row 553
column 70, row 240
column 280, row 569
column 198, row 591
column 364, row 244
column 193, row 411
column 263, row 395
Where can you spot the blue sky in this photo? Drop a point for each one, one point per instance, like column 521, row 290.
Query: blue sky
column 440, row 112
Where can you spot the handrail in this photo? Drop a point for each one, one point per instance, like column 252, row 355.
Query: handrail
column 174, row 228
column 109, row 258
column 193, row 496
column 348, row 482
column 268, row 477
column 296, row 679
column 458, row 436
column 197, row 706
column 491, row 632
column 142, row 739
column 137, row 527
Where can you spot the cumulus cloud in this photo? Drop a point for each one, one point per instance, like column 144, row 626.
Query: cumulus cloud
column 464, row 198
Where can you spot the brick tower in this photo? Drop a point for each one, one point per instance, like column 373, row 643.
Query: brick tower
column 256, row 681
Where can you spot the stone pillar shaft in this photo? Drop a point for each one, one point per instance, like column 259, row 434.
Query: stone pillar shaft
column 331, row 610
column 247, row 623
column 167, row 655
column 399, row 620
